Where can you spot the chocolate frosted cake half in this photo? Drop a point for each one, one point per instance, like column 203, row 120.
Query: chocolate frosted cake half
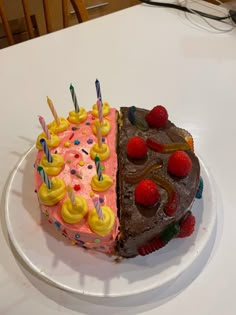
column 158, row 178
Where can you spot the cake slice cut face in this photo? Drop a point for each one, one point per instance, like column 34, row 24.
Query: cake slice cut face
column 152, row 201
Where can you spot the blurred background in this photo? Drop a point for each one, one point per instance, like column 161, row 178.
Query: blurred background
column 15, row 15
column 95, row 8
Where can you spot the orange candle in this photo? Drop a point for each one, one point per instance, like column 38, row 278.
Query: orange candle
column 54, row 113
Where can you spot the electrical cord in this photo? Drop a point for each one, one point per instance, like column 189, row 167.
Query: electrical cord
column 231, row 14
column 209, row 26
column 213, row 28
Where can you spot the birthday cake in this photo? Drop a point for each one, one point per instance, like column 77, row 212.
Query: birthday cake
column 119, row 183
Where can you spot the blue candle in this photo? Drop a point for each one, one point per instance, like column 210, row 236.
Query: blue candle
column 44, row 177
column 46, row 150
column 98, row 89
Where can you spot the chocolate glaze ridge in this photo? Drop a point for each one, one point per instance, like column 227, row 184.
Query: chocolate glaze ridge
column 137, row 224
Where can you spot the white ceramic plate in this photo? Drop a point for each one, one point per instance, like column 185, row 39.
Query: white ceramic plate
column 77, row 270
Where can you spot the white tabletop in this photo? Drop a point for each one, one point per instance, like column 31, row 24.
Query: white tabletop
column 142, row 56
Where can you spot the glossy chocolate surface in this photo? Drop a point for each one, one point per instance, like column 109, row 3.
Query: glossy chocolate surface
column 138, row 224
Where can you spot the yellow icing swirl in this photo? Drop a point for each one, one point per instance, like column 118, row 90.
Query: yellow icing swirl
column 55, row 167
column 52, row 143
column 77, row 118
column 105, row 127
column 74, row 213
column 101, row 227
column 101, row 185
column 102, row 152
column 50, row 197
column 64, row 123
column 105, row 109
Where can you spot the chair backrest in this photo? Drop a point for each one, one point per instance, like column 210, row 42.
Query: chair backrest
column 78, row 6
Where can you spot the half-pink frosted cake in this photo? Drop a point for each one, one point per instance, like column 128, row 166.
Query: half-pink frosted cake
column 74, row 146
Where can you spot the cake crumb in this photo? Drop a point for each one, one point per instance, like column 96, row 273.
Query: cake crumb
column 118, row 260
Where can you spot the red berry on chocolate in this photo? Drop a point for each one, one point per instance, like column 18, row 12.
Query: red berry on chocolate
column 146, row 193
column 136, row 148
column 157, row 117
column 179, row 164
column 187, row 226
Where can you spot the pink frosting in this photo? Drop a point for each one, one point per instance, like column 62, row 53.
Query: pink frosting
column 80, row 233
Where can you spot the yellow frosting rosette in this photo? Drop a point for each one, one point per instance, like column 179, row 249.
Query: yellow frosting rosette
column 55, row 128
column 77, row 117
column 52, row 143
column 105, row 127
column 103, row 151
column 101, row 227
column 101, row 185
column 50, row 197
column 105, row 109
column 52, row 168
column 74, row 213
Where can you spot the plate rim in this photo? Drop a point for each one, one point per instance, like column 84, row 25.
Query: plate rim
column 65, row 287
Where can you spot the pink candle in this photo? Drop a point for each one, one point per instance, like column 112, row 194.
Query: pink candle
column 44, row 127
column 98, row 207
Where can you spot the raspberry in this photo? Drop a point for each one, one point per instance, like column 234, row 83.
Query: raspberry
column 157, row 117
column 146, row 193
column 187, row 226
column 136, row 148
column 179, row 164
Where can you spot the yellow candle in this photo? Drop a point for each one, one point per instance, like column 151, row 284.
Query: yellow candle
column 71, row 195
column 99, row 135
column 54, row 113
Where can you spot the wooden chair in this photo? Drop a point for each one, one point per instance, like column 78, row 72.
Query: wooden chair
column 78, row 6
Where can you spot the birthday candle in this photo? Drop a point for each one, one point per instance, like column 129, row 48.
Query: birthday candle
column 54, row 113
column 46, row 150
column 98, row 89
column 44, row 177
column 44, row 127
column 99, row 135
column 74, row 98
column 98, row 207
column 98, row 168
column 100, row 114
column 71, row 195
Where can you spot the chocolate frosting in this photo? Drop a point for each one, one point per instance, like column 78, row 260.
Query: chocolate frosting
column 139, row 225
